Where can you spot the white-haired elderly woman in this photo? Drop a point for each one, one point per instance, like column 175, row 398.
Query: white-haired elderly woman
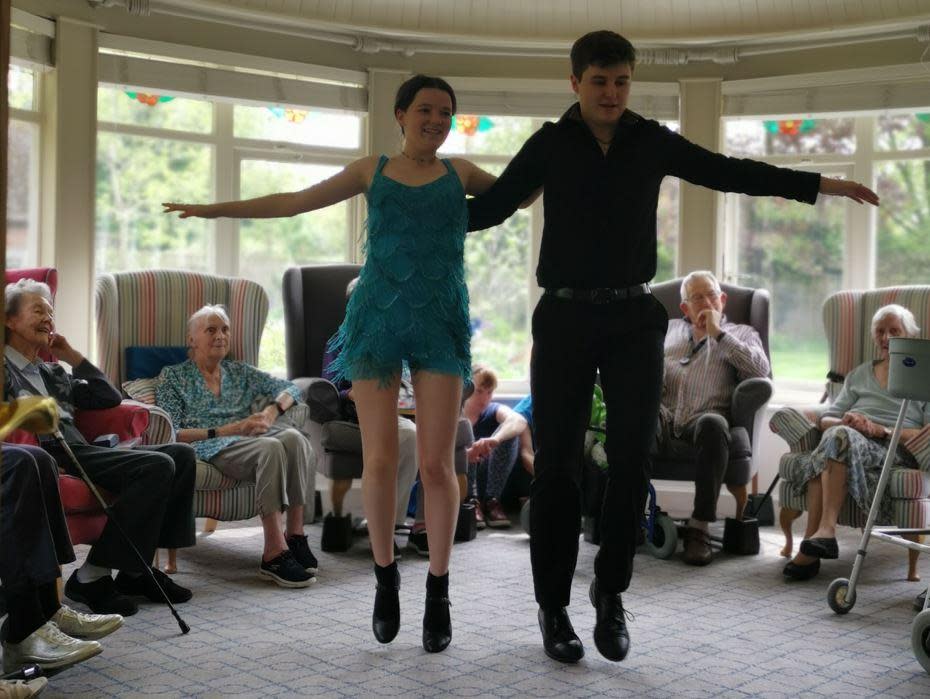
column 852, row 449
column 211, row 401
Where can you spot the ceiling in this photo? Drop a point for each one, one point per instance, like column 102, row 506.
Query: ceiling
column 540, row 27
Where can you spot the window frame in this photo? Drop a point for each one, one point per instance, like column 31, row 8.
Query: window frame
column 33, row 118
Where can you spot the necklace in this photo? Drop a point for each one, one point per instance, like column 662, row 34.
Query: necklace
column 422, row 161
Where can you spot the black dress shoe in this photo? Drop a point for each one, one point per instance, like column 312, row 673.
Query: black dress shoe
column 385, row 619
column 559, row 638
column 437, row 624
column 820, row 548
column 100, row 595
column 142, row 585
column 801, row 572
column 610, row 633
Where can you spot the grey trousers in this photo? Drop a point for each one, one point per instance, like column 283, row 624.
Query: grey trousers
column 280, row 462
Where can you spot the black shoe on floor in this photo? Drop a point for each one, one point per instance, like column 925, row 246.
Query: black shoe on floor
column 801, row 572
column 143, row 585
column 437, row 624
column 610, row 633
column 559, row 638
column 285, row 571
column 297, row 543
column 100, row 595
column 418, row 542
column 385, row 619
column 820, row 548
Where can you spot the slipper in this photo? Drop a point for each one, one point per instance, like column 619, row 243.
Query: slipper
column 820, row 548
column 801, row 572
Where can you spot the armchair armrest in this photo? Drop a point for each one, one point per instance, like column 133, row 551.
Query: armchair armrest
column 796, row 428
column 322, row 398
column 125, row 421
column 750, row 395
column 919, row 446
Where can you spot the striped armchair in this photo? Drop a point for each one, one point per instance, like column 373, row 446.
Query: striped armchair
column 150, row 309
column 847, row 317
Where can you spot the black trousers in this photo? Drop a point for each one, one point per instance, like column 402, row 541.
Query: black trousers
column 154, row 489
column 710, row 434
column 572, row 341
column 34, row 538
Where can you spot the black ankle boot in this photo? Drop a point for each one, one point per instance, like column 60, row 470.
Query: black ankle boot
column 385, row 620
column 437, row 623
column 610, row 633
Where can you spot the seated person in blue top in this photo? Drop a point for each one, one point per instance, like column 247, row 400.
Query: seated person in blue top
column 39, row 628
column 852, row 449
column 211, row 401
column 497, row 431
column 153, row 485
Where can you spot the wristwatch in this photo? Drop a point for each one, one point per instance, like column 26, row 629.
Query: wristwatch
column 211, row 433
column 281, row 410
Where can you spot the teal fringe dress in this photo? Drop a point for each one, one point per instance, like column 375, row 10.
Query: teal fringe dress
column 411, row 303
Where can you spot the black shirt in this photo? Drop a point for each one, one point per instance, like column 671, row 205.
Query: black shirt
column 599, row 228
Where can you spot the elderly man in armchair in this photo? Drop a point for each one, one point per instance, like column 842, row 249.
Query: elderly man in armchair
column 705, row 358
column 153, row 486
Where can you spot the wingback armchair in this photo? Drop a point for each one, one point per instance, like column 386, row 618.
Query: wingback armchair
column 847, row 317
column 150, row 309
column 314, row 306
column 677, row 462
column 83, row 514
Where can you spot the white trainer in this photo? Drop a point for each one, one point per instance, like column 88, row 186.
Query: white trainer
column 48, row 648
column 22, row 689
column 80, row 625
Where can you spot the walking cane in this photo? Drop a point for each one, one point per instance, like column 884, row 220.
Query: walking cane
column 40, row 416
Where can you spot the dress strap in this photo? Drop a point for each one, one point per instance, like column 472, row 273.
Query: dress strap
column 448, row 163
column 382, row 161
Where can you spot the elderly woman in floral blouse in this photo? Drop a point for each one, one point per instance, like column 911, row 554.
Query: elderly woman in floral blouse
column 212, row 403
column 854, row 444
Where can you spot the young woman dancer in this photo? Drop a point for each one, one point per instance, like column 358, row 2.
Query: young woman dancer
column 411, row 304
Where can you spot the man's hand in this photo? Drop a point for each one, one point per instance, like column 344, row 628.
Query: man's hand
column 847, row 188
column 709, row 321
column 254, row 424
column 480, row 449
column 59, row 346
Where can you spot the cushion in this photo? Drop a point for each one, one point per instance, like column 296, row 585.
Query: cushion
column 142, row 390
column 146, row 362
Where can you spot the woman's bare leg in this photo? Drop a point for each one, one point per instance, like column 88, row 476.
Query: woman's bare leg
column 833, row 480
column 814, row 515
column 438, row 398
column 377, row 417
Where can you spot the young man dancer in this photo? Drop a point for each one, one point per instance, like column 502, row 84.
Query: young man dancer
column 601, row 166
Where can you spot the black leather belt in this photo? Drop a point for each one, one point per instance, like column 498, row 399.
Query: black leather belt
column 601, row 295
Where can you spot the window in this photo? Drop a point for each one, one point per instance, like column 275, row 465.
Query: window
column 904, row 187
column 22, row 216
column 667, row 224
column 140, row 164
column 498, row 261
column 803, row 254
column 154, row 148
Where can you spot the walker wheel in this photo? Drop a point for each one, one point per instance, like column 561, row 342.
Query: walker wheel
column 920, row 639
column 838, row 596
column 664, row 537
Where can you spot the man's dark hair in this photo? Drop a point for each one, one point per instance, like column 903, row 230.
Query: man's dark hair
column 409, row 90
column 601, row 48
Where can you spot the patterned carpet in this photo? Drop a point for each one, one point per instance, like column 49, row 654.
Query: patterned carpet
column 733, row 629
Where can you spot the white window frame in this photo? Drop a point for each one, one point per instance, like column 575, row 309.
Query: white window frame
column 34, row 118
column 860, row 244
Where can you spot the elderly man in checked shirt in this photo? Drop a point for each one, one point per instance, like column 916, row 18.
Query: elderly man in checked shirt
column 706, row 356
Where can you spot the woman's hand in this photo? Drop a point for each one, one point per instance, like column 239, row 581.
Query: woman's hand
column 864, row 426
column 59, row 346
column 847, row 188
column 254, row 425
column 189, row 210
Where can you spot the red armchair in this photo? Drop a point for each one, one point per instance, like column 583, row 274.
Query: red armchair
column 84, row 516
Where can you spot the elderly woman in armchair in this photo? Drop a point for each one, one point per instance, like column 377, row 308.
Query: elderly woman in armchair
column 854, row 444
column 216, row 405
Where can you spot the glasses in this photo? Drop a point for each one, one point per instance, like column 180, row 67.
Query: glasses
column 697, row 298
